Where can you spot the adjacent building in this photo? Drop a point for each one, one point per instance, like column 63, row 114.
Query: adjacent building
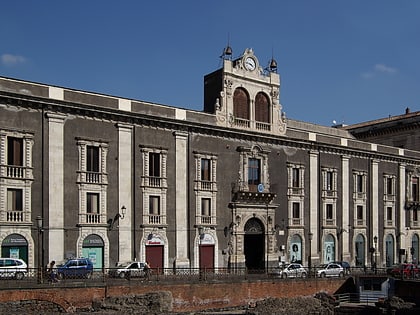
column 236, row 185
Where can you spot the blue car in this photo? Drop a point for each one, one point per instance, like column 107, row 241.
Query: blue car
column 75, row 268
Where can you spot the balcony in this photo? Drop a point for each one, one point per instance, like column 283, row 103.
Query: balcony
column 92, row 177
column 16, row 172
column 92, row 218
column 153, row 181
column 295, row 191
column 263, row 126
column 242, row 123
column 206, row 220
column 16, row 216
column 296, row 222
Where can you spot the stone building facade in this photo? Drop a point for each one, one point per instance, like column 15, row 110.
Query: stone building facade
column 237, row 185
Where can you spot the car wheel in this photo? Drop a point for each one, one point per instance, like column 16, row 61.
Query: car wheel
column 122, row 275
column 304, row 275
column 60, row 276
column 88, row 275
column 284, row 275
column 19, row 275
column 322, row 275
column 341, row 274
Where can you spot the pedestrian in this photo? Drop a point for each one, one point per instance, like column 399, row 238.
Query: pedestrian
column 146, row 270
column 51, row 272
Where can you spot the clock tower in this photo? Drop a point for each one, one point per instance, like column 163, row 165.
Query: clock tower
column 244, row 95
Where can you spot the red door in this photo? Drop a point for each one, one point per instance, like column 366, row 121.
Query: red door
column 154, row 256
column 207, row 256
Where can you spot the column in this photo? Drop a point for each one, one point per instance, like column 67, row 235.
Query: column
column 402, row 232
column 313, row 205
column 374, row 209
column 181, row 202
column 345, row 237
column 55, row 186
column 125, row 163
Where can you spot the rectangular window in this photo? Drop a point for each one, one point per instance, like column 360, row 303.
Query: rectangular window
column 14, row 200
column 295, row 177
column 254, row 177
column 296, row 210
column 359, row 213
column 15, row 151
column 389, row 186
column 329, row 212
column 415, row 188
column 154, row 164
column 359, row 183
column 92, row 162
column 92, row 203
column 329, row 180
column 389, row 213
column 415, row 215
column 205, row 206
column 154, row 205
column 205, row 170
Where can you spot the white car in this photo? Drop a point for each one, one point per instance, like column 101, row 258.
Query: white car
column 130, row 269
column 330, row 270
column 13, row 268
column 293, row 271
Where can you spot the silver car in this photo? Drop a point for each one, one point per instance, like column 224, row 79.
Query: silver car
column 13, row 268
column 293, row 271
column 130, row 269
column 330, row 270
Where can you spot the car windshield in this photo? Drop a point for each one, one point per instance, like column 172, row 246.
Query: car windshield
column 323, row 266
column 123, row 265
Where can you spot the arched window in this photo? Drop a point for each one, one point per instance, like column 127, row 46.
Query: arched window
column 241, row 104
column 262, row 106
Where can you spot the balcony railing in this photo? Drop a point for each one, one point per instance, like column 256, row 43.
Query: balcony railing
column 240, row 122
column 154, row 219
column 92, row 177
column 16, row 216
column 263, row 126
column 92, row 218
column 16, row 171
column 207, row 220
column 296, row 221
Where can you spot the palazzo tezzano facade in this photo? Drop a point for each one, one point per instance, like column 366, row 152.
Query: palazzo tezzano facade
column 236, row 185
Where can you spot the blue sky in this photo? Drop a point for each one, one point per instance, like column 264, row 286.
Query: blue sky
column 343, row 61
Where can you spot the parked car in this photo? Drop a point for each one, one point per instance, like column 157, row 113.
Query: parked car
column 13, row 268
column 129, row 269
column 293, row 270
column 330, row 270
column 406, row 271
column 75, row 268
column 344, row 264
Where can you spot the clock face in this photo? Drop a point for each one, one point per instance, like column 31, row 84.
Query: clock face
column 250, row 63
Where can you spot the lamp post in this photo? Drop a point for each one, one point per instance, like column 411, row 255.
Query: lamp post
column 375, row 240
column 310, row 235
column 39, row 228
column 200, row 234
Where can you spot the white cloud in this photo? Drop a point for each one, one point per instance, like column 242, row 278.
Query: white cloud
column 383, row 68
column 378, row 69
column 11, row 60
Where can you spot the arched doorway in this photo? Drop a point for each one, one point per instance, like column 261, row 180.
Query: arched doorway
column 389, row 250
column 15, row 246
column 360, row 250
column 93, row 248
column 254, row 244
column 296, row 249
column 155, row 246
column 329, row 249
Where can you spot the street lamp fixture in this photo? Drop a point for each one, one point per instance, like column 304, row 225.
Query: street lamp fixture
column 118, row 216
